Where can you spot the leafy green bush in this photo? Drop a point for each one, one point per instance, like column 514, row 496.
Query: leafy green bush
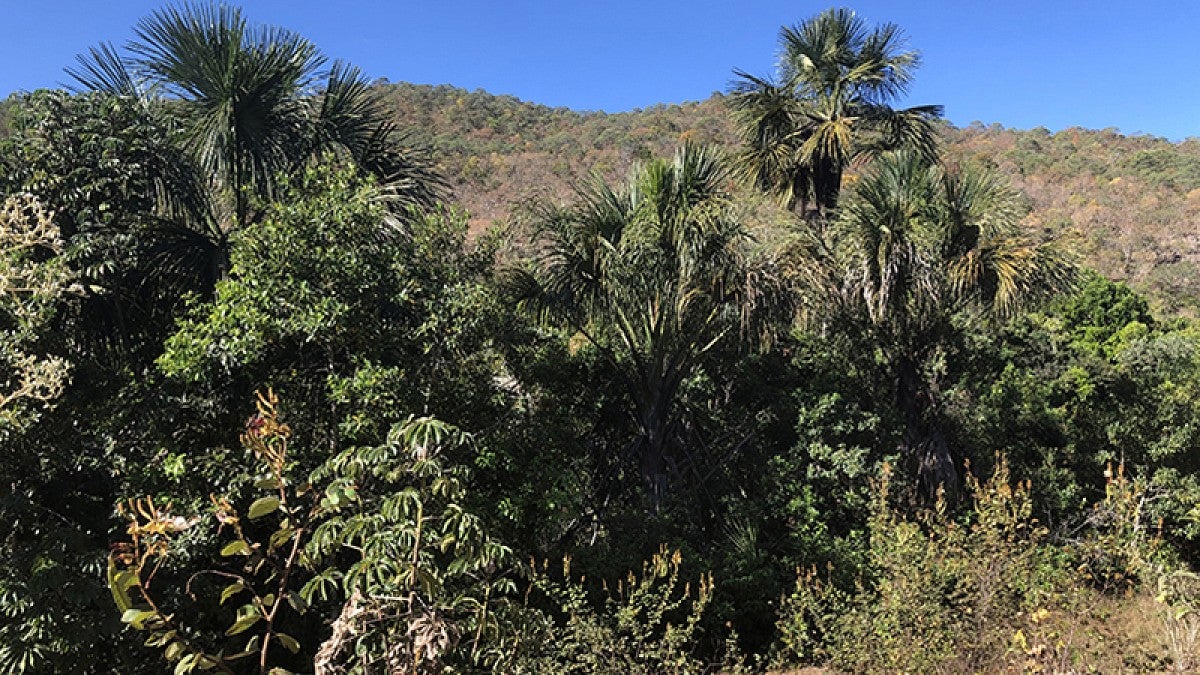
column 376, row 535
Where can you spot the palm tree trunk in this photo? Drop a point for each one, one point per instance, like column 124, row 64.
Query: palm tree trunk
column 923, row 442
column 800, row 194
column 220, row 261
column 654, row 469
column 655, row 425
column 827, row 186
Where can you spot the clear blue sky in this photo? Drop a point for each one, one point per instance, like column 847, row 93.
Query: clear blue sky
column 1133, row 64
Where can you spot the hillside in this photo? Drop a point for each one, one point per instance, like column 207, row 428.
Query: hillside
column 1128, row 204
column 497, row 150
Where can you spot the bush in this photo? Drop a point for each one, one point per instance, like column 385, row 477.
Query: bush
column 983, row 592
column 648, row 624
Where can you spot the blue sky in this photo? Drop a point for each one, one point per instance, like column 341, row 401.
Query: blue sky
column 1133, row 64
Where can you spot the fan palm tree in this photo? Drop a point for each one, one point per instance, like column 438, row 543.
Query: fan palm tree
column 829, row 106
column 254, row 103
column 921, row 247
column 654, row 275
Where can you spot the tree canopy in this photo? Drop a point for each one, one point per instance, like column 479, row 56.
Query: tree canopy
column 252, row 103
column 655, row 275
column 829, row 105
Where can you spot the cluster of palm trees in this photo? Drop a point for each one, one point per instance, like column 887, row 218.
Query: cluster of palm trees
column 655, row 274
column 917, row 244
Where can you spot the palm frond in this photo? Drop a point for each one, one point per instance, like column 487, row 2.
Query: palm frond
column 406, row 174
column 816, row 53
column 883, row 69
column 103, row 69
column 913, row 129
column 244, row 85
column 767, row 118
column 348, row 111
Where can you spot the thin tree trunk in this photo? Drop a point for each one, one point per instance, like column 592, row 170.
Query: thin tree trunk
column 827, row 184
column 220, row 261
column 800, row 193
column 653, row 467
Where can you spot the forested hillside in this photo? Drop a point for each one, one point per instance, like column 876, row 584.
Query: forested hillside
column 1129, row 205
column 794, row 378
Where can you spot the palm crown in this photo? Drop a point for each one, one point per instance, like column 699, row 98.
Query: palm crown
column 919, row 249
column 254, row 104
column 654, row 275
column 830, row 105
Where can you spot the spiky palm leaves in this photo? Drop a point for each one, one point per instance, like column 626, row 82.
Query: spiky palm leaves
column 254, row 103
column 919, row 247
column 919, row 242
column 654, row 275
column 830, row 106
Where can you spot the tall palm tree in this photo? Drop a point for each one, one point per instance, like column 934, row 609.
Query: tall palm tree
column 829, row 105
column 255, row 103
column 920, row 248
column 654, row 274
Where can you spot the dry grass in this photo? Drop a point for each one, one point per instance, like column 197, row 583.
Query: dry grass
column 1105, row 635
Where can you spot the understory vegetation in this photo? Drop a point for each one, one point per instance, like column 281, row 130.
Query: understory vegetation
column 807, row 386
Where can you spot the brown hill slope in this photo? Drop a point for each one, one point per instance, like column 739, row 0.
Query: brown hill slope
column 1129, row 204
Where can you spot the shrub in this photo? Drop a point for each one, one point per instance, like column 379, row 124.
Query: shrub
column 985, row 591
column 376, row 536
column 647, row 623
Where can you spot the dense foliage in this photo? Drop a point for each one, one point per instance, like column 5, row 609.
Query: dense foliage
column 267, row 405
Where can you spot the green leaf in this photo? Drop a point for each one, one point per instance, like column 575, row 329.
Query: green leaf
column 297, row 602
column 267, row 483
column 159, row 638
column 333, row 496
column 231, row 590
column 125, row 579
column 242, row 624
column 135, row 617
column 263, row 506
column 186, row 664
column 247, row 609
column 289, row 642
column 238, row 547
column 280, row 537
column 174, row 651
column 119, row 582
